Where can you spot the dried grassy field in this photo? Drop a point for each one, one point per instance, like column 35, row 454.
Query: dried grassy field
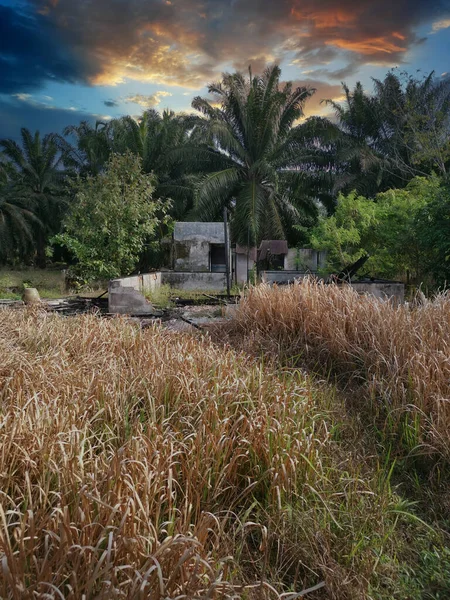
column 399, row 355
column 155, row 465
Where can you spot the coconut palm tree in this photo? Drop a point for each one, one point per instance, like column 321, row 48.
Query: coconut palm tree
column 35, row 182
column 249, row 149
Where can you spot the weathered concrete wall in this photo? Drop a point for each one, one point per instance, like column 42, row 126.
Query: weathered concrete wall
column 192, row 243
column 126, row 295
column 393, row 291
column 281, row 276
column 194, row 280
column 241, row 264
column 304, row 259
column 197, row 232
column 141, row 283
column 385, row 290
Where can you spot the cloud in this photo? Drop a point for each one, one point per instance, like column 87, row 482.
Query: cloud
column 46, row 119
column 110, row 103
column 324, row 91
column 32, row 52
column 438, row 25
column 148, row 101
column 189, row 43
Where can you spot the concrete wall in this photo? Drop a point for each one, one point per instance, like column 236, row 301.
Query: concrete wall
column 141, row 283
column 304, row 259
column 192, row 245
column 281, row 276
column 384, row 290
column 240, row 266
column 194, row 280
column 126, row 295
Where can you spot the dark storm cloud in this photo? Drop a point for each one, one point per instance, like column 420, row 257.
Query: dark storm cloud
column 110, row 103
column 31, row 53
column 17, row 113
column 189, row 42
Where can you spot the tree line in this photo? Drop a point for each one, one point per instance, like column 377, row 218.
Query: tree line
column 314, row 181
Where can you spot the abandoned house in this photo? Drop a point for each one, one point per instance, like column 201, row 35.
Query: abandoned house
column 196, row 260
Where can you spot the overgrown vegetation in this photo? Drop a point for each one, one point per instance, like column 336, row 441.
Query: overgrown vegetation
column 249, row 150
column 112, row 216
column 400, row 355
column 13, row 282
column 405, row 232
column 143, row 463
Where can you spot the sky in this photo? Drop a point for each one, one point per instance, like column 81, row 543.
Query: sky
column 64, row 61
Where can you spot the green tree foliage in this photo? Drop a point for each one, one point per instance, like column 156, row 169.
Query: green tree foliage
column 406, row 232
column 91, row 150
column 36, row 188
column 250, row 153
column 16, row 222
column 112, row 216
column 433, row 234
column 346, row 234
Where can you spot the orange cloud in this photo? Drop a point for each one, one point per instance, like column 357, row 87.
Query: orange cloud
column 190, row 42
column 368, row 46
column 326, row 19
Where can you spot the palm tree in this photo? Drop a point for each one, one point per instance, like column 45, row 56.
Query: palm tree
column 36, row 183
column 153, row 137
column 383, row 140
column 91, row 150
column 16, row 221
column 248, row 149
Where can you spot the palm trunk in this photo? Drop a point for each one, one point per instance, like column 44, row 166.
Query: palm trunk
column 41, row 258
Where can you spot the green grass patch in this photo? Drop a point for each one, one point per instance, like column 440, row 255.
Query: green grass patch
column 49, row 283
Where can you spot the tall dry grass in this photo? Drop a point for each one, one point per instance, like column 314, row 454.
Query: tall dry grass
column 401, row 354
column 147, row 464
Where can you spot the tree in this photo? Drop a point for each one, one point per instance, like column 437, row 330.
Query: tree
column 396, row 248
column 346, row 234
column 249, row 154
column 433, row 234
column 16, row 222
column 112, row 217
column 91, row 150
column 405, row 232
column 383, row 140
column 36, row 182
column 153, row 138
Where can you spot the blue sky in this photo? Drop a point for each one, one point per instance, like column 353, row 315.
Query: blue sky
column 62, row 61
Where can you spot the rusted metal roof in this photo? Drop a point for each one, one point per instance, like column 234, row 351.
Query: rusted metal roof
column 272, row 247
column 252, row 252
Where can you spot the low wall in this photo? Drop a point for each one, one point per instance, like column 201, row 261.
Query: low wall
column 385, row 290
column 141, row 283
column 126, row 295
column 194, row 280
column 304, row 259
column 281, row 276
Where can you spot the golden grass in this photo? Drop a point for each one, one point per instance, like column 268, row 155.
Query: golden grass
column 148, row 464
column 401, row 354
